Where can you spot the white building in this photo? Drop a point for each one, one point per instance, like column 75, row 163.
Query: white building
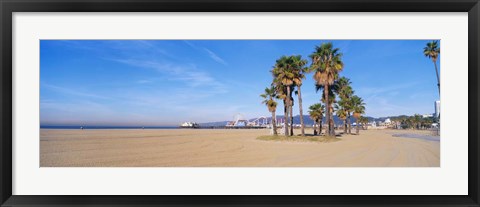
column 437, row 109
column 388, row 121
column 427, row 115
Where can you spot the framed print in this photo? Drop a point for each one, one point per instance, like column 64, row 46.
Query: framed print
column 190, row 103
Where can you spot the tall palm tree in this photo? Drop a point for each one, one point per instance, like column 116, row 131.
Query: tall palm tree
column 269, row 96
column 432, row 51
column 282, row 95
column 316, row 113
column 326, row 63
column 283, row 77
column 344, row 90
column 358, row 109
column 299, row 71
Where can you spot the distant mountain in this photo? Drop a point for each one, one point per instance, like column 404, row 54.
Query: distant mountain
column 218, row 123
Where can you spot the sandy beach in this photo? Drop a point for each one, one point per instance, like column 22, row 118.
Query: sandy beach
column 224, row 147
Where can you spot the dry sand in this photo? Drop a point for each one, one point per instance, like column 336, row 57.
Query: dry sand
column 229, row 147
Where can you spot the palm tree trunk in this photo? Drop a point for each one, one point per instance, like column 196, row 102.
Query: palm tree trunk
column 290, row 110
column 301, row 109
column 332, row 123
column 345, row 126
column 349, row 124
column 438, row 77
column 358, row 127
column 314, row 127
column 325, row 91
column 285, row 117
column 274, row 123
column 291, row 119
column 320, row 127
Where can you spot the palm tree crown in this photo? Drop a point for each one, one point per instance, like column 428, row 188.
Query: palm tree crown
column 432, row 50
column 316, row 111
column 358, row 106
column 269, row 96
column 327, row 63
column 283, row 71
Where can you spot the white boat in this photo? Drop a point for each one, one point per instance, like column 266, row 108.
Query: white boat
column 189, row 125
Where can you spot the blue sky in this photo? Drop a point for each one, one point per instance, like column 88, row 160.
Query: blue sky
column 165, row 82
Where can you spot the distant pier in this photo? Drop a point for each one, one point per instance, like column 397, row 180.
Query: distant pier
column 231, row 127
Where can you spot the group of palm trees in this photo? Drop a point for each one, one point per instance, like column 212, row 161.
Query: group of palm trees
column 416, row 121
column 326, row 65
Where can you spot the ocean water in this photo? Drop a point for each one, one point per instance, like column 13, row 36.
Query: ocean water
column 108, row 127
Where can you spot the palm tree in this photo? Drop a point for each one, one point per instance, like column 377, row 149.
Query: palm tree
column 344, row 90
column 395, row 121
column 427, row 122
column 432, row 51
column 326, row 63
column 364, row 121
column 403, row 122
column 269, row 96
column 283, row 77
column 417, row 118
column 316, row 113
column 299, row 71
column 314, row 116
column 410, row 122
column 281, row 94
column 358, row 109
column 342, row 114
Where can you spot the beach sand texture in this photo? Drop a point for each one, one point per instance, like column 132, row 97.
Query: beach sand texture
column 229, row 147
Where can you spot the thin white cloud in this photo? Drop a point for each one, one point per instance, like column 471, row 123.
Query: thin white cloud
column 188, row 74
column 215, row 56
column 144, row 81
column 190, row 44
column 380, row 100
column 73, row 92
column 210, row 53
column 377, row 90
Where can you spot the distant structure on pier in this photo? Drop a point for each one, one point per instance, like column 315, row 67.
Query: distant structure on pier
column 240, row 121
column 189, row 125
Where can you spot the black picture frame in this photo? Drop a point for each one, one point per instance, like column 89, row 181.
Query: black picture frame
column 7, row 7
